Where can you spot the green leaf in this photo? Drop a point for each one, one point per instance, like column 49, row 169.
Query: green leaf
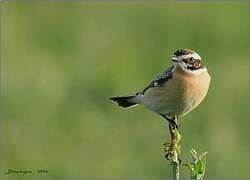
column 198, row 165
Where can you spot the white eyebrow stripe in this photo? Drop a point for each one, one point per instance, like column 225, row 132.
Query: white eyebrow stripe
column 194, row 55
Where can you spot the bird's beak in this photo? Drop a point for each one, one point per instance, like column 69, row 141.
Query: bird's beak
column 175, row 58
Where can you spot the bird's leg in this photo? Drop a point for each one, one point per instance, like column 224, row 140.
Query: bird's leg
column 173, row 121
column 172, row 149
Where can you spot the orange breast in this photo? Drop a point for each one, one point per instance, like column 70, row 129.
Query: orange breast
column 194, row 89
column 179, row 95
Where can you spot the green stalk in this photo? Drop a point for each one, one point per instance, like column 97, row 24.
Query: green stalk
column 176, row 171
column 198, row 165
column 173, row 150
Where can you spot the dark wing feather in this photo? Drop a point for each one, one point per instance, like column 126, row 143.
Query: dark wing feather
column 159, row 80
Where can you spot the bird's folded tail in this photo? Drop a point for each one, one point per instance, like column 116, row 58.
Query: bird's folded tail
column 126, row 101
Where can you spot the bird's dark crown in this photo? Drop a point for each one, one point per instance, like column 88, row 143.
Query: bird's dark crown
column 181, row 52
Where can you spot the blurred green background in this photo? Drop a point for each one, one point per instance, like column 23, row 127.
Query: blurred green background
column 61, row 61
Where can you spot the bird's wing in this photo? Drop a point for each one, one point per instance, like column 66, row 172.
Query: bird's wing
column 159, row 80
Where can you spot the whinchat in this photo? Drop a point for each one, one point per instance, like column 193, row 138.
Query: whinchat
column 175, row 92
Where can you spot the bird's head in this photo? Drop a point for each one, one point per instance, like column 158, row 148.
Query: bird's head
column 188, row 60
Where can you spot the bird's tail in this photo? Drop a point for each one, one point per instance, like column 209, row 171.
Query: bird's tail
column 126, row 101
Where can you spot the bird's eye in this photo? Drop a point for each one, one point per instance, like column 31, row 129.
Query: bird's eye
column 191, row 59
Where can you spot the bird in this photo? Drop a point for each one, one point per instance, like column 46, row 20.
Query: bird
column 175, row 92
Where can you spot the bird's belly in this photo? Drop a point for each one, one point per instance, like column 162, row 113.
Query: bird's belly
column 169, row 104
column 177, row 97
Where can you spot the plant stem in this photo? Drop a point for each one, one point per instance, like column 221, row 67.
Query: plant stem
column 174, row 151
column 176, row 171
